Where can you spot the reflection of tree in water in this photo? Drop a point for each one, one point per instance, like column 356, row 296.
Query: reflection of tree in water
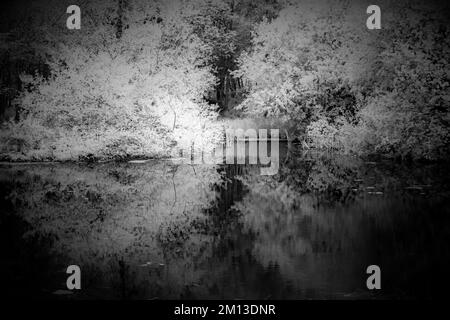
column 323, row 220
column 118, row 222
column 178, row 231
column 233, row 271
column 27, row 267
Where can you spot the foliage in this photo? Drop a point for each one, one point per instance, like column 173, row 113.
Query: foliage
column 295, row 68
column 322, row 134
column 320, row 70
column 407, row 114
column 144, row 70
column 149, row 79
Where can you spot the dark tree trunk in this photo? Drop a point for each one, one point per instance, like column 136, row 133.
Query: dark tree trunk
column 119, row 24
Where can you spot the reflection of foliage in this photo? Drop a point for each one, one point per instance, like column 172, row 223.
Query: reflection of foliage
column 172, row 230
column 114, row 218
column 329, row 208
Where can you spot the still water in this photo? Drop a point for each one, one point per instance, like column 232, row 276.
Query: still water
column 170, row 230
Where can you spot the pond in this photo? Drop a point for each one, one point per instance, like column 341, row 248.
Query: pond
column 167, row 229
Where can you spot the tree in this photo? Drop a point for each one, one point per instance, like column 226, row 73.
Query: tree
column 147, row 76
column 297, row 64
column 321, row 71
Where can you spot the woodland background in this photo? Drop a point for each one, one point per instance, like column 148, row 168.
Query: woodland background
column 142, row 78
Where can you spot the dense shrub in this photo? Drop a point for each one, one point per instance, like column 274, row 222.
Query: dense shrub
column 114, row 93
column 320, row 70
column 322, row 134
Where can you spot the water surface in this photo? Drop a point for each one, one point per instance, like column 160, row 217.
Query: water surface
column 167, row 229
